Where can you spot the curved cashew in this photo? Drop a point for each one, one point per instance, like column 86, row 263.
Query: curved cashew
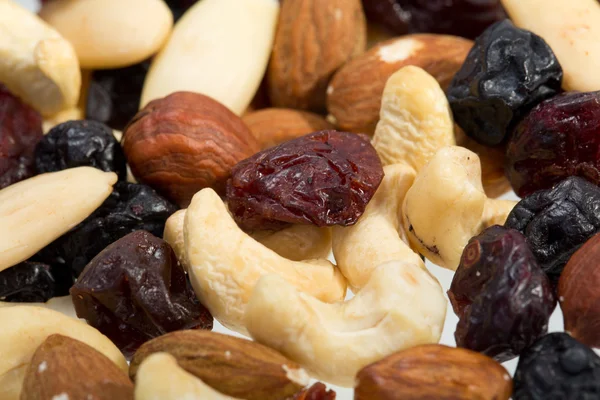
column 160, row 378
column 446, row 206
column 378, row 236
column 225, row 263
column 24, row 328
column 63, row 305
column 401, row 306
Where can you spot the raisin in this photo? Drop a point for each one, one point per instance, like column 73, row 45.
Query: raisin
column 135, row 290
column 507, row 72
column 557, row 221
column 325, row 178
column 80, row 143
column 20, row 132
column 558, row 138
column 557, row 367
column 129, row 208
column 318, row 391
column 31, row 282
column 502, row 297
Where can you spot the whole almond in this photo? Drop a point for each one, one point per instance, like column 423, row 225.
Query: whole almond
column 314, row 38
column 354, row 94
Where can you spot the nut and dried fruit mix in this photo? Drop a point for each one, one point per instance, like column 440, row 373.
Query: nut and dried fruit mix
column 168, row 165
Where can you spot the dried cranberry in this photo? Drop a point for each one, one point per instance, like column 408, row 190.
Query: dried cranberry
column 318, row 391
column 20, row 132
column 502, row 297
column 31, row 282
column 558, row 138
column 135, row 290
column 325, row 178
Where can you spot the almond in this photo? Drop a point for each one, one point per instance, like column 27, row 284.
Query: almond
column 354, row 94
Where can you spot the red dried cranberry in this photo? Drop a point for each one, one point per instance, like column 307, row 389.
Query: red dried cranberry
column 318, row 391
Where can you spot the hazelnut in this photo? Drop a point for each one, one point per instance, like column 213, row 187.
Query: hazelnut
column 185, row 142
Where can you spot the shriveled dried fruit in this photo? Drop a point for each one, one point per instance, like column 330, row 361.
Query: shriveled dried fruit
column 31, row 282
column 558, row 138
column 508, row 72
column 318, row 391
column 326, row 178
column 135, row 290
column 501, row 296
column 557, row 221
column 557, row 367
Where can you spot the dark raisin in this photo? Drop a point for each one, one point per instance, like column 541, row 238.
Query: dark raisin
column 508, row 72
column 558, row 138
column 114, row 94
column 557, row 367
column 129, row 208
column 78, row 144
column 136, row 290
column 502, row 297
column 318, row 391
column 325, row 178
column 20, row 132
column 179, row 7
column 31, row 282
column 557, row 221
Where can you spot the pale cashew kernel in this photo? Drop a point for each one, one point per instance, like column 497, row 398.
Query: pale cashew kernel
column 63, row 305
column 225, row 263
column 401, row 306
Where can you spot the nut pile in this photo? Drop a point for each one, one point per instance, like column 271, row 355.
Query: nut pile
column 166, row 164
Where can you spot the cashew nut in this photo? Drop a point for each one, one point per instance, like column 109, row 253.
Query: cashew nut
column 446, row 206
column 160, row 378
column 24, row 328
column 415, row 119
column 36, row 63
column 225, row 263
column 378, row 236
column 63, row 305
column 401, row 306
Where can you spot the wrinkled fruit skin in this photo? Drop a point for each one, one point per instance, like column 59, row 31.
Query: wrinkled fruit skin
column 557, row 367
column 80, row 144
column 31, row 282
column 129, row 208
column 325, row 178
column 507, row 73
column 557, row 221
column 20, row 132
column 502, row 297
column 558, row 138
column 136, row 290
column 318, row 391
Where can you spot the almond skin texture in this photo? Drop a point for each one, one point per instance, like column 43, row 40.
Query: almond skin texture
column 354, row 94
column 273, row 126
column 68, row 367
column 235, row 367
column 314, row 38
column 434, row 372
column 186, row 142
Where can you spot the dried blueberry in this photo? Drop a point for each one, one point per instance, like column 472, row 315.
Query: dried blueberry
column 80, row 143
column 31, row 282
column 508, row 72
column 136, row 290
column 557, row 367
column 502, row 297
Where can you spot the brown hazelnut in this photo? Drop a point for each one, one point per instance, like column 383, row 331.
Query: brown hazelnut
column 185, row 142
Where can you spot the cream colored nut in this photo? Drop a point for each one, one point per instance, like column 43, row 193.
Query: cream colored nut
column 378, row 236
column 415, row 119
column 572, row 29
column 25, row 328
column 63, row 305
column 220, row 48
column 111, row 33
column 401, row 306
column 495, row 212
column 36, row 63
column 73, row 113
column 225, row 263
column 38, row 210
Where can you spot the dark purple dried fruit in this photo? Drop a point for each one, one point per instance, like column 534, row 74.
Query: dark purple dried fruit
column 325, row 178
column 558, row 138
column 80, row 144
column 31, row 282
column 501, row 296
column 507, row 73
column 135, row 290
column 557, row 367
column 20, row 132
column 557, row 221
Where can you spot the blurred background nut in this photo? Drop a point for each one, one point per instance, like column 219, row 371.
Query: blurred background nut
column 186, row 142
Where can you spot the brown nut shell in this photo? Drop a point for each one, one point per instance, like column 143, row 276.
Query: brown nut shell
column 186, row 142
